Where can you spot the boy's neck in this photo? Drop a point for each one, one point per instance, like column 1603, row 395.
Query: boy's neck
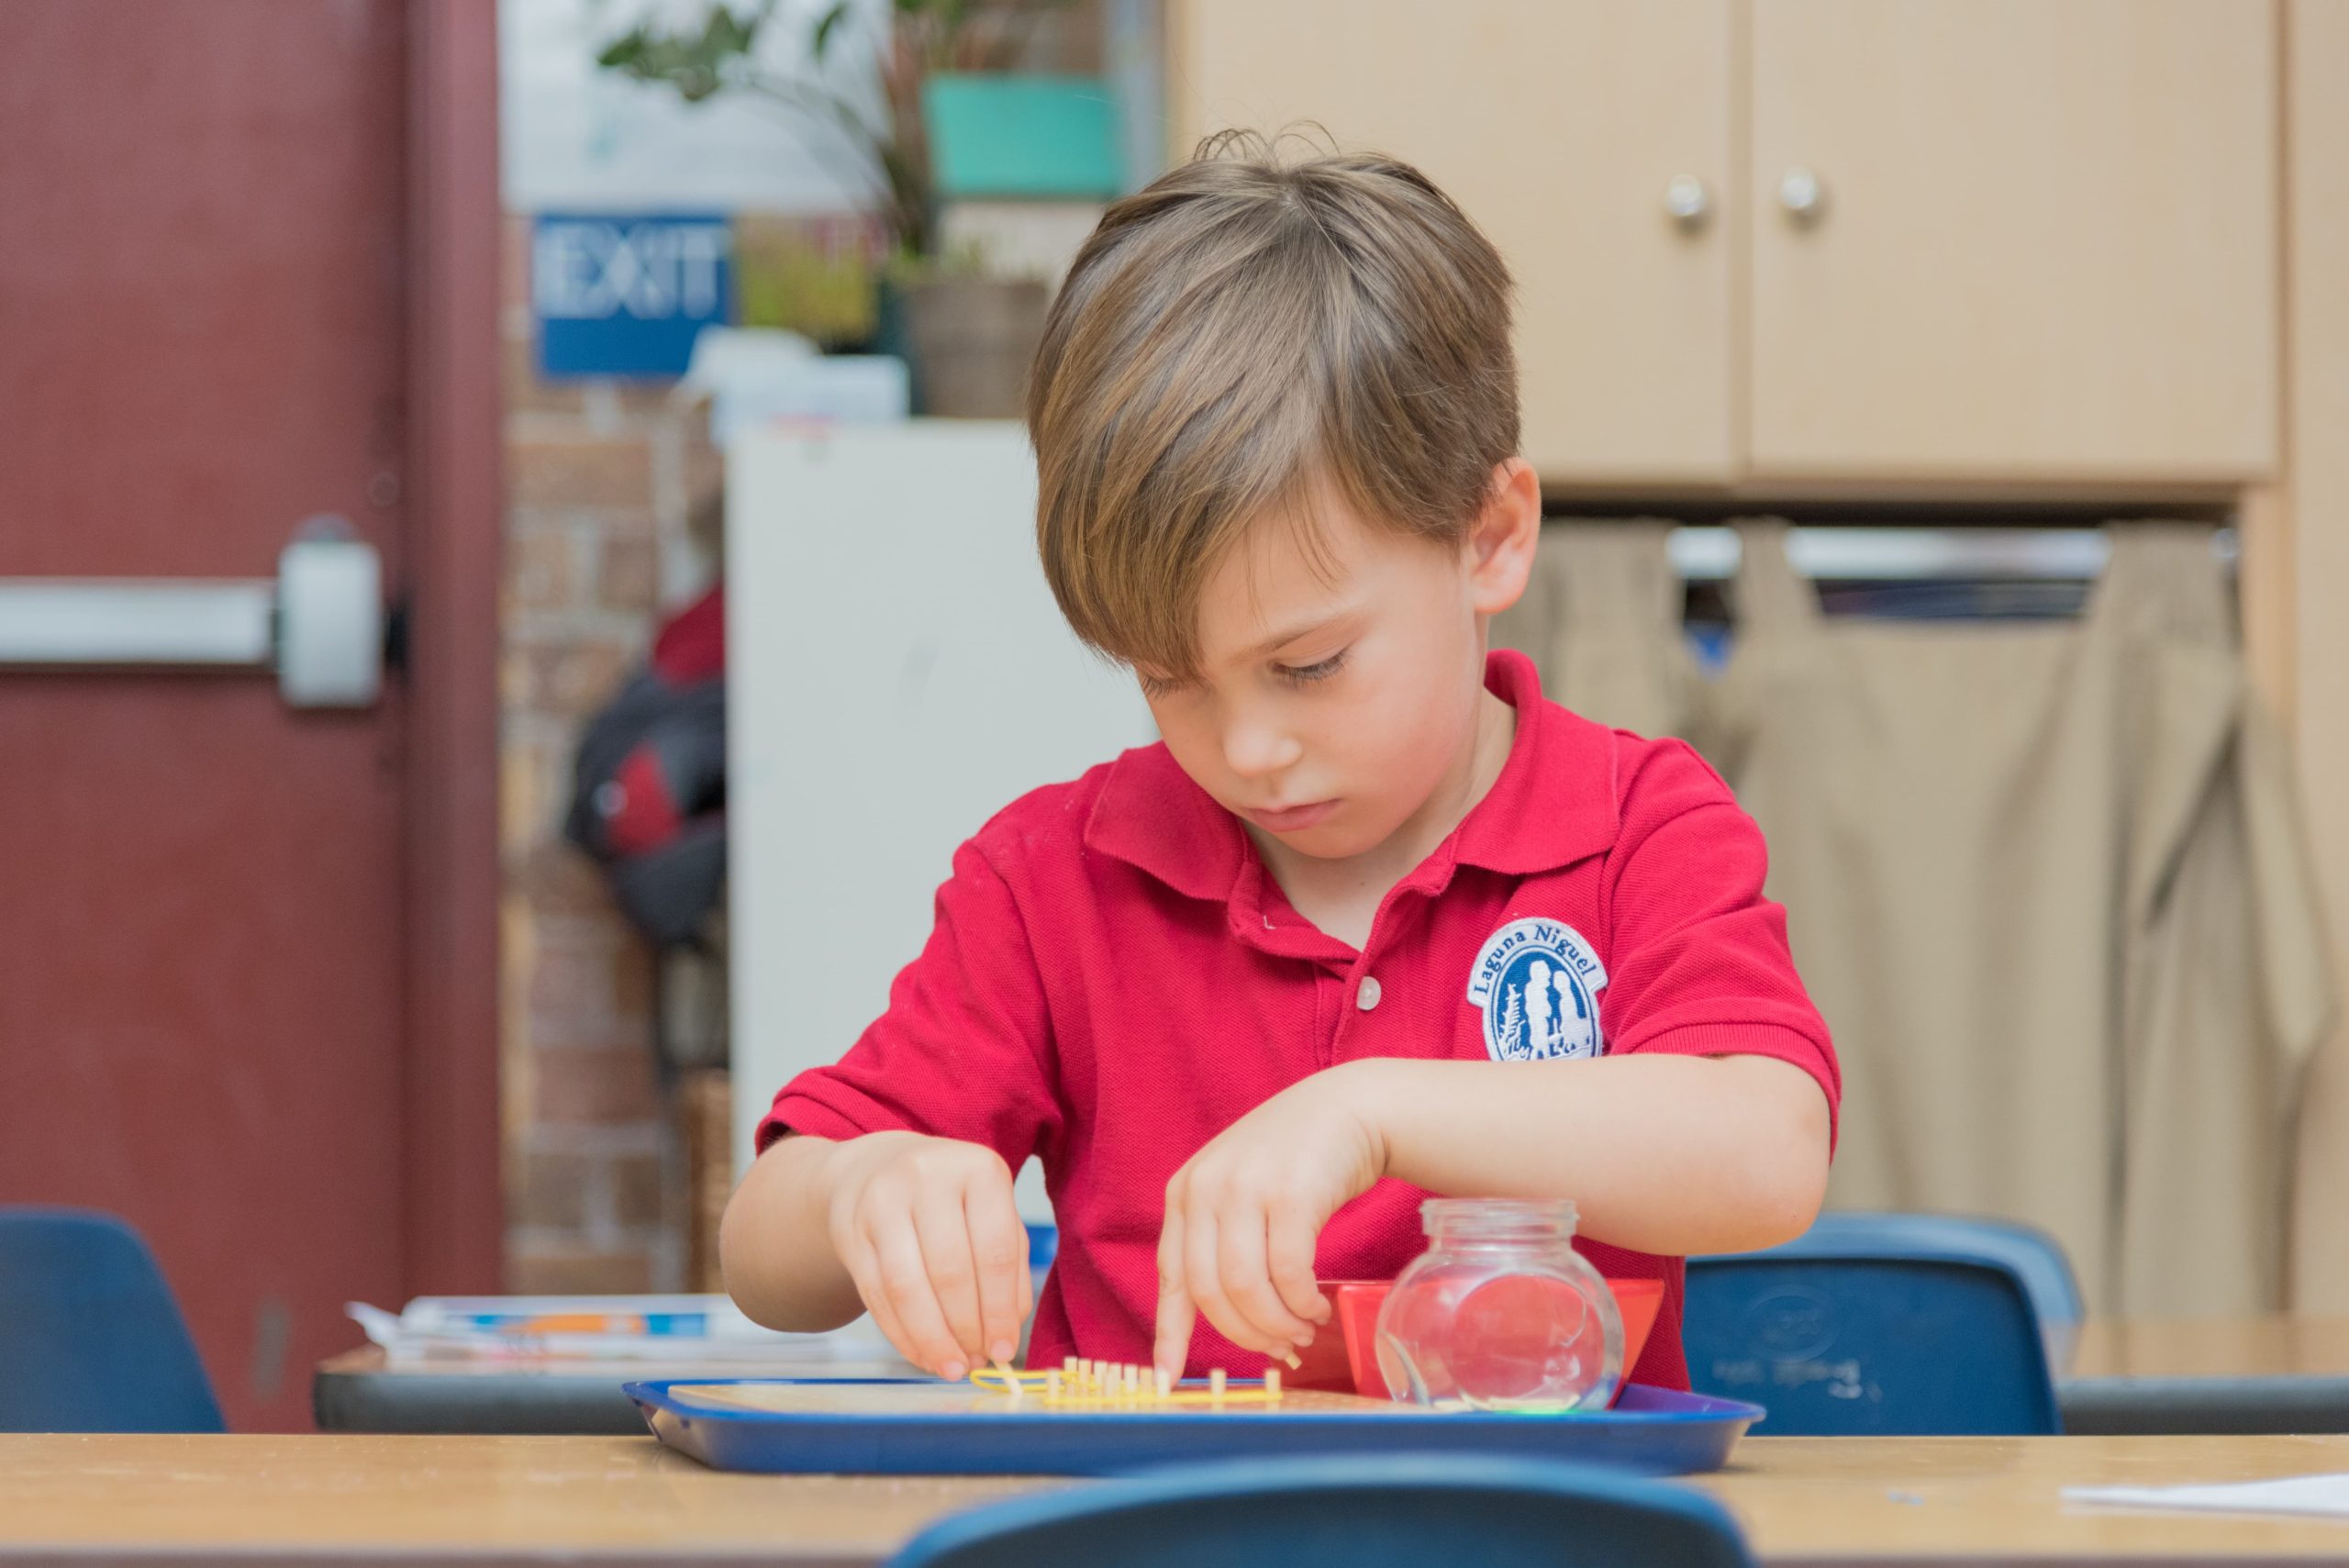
column 1342, row 895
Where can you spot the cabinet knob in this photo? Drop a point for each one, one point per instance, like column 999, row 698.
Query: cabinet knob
column 1687, row 200
column 1802, row 194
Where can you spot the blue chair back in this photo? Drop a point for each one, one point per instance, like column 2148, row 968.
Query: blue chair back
column 91, row 1340
column 1876, row 1330
column 1395, row 1511
column 2034, row 1254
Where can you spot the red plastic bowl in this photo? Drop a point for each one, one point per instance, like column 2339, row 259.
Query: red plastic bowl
column 1355, row 1346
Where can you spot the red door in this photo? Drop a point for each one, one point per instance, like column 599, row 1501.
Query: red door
column 213, row 908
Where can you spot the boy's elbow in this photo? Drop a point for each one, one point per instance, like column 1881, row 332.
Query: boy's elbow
column 1784, row 1171
column 1784, row 1207
column 767, row 1246
column 741, row 1270
column 739, row 1267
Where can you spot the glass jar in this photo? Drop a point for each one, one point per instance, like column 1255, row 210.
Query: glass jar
column 1502, row 1313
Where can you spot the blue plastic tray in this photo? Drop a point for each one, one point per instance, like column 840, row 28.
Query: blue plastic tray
column 929, row 1428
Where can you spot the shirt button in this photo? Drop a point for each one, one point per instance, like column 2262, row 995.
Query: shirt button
column 1366, row 994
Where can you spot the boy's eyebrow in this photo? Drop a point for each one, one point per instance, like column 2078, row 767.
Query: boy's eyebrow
column 1276, row 643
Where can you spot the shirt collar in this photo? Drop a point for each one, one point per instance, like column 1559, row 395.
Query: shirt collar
column 1556, row 800
column 1150, row 815
column 1554, row 803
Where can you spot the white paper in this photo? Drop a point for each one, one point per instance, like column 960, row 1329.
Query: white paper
column 2324, row 1496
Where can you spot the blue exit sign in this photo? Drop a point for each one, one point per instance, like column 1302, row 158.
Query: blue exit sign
column 624, row 295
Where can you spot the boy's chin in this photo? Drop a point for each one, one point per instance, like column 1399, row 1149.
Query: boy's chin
column 1338, row 837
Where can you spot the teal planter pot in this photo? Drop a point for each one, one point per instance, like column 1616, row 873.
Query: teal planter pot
column 1027, row 137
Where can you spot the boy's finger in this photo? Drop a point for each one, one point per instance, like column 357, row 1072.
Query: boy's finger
column 905, row 1279
column 1289, row 1238
column 864, row 1269
column 1176, row 1315
column 999, row 1247
column 945, row 1239
column 1203, row 1279
column 884, row 1318
column 1248, row 1283
column 1026, row 1280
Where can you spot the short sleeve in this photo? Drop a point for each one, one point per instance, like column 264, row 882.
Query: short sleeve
column 1700, row 963
column 964, row 1048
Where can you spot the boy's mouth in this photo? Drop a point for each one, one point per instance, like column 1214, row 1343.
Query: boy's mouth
column 1290, row 819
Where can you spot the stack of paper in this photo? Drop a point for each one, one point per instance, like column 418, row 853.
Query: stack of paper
column 696, row 1328
column 2325, row 1496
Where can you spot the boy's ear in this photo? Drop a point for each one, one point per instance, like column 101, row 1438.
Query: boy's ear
column 1502, row 542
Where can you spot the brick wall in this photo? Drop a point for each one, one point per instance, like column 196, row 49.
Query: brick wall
column 598, row 482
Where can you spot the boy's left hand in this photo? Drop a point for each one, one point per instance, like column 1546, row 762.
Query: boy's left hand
column 1243, row 1214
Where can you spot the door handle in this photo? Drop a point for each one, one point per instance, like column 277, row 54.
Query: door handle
column 318, row 624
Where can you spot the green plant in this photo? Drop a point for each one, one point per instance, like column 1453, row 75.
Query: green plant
column 788, row 277
column 719, row 54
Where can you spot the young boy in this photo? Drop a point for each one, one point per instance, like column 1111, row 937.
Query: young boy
column 1373, row 922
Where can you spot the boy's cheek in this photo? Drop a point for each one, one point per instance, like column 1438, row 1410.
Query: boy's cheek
column 1195, row 757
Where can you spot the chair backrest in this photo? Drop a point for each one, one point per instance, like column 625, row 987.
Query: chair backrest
column 2037, row 1257
column 1392, row 1511
column 1855, row 1330
column 91, row 1340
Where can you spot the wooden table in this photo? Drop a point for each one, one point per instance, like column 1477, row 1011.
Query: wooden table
column 613, row 1501
column 2210, row 1375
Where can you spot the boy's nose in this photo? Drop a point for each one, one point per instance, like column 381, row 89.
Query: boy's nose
column 1258, row 751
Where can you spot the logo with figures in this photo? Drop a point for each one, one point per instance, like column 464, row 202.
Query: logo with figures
column 1538, row 982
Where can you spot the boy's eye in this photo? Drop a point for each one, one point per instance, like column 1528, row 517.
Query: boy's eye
column 1304, row 675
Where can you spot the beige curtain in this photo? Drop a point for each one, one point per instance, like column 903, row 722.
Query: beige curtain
column 1601, row 621
column 2320, row 1250
column 2225, row 990
column 2043, row 880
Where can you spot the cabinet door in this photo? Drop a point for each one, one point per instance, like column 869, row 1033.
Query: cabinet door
column 2043, row 245
column 1559, row 128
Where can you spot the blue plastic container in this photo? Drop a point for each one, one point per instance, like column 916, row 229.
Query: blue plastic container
column 908, row 1428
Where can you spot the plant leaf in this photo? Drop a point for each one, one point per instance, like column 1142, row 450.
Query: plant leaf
column 728, row 34
column 826, row 26
column 623, row 51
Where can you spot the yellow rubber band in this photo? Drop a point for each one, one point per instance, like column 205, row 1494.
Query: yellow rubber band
column 1008, row 1378
column 1104, row 1393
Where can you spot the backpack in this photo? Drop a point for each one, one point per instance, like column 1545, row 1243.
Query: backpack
column 648, row 799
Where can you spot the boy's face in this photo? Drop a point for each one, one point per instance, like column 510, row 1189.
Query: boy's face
column 1341, row 669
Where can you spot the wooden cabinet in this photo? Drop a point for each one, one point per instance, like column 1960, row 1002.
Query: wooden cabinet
column 2043, row 242
column 2040, row 251
column 1558, row 126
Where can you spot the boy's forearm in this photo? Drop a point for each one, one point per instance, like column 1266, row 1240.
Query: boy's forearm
column 774, row 1244
column 1666, row 1155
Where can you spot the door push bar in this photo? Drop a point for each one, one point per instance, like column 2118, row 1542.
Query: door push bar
column 319, row 623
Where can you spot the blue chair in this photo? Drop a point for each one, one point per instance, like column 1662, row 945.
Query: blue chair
column 1885, row 1325
column 91, row 1340
column 2037, row 1256
column 1395, row 1511
column 1043, row 1246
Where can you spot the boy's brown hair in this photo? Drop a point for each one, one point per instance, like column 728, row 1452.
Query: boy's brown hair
column 1236, row 333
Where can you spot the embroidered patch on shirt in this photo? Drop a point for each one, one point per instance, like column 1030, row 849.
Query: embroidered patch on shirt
column 1538, row 982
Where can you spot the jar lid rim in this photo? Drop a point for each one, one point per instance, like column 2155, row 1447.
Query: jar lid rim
column 1498, row 1209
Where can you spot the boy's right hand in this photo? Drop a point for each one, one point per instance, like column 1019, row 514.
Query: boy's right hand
column 927, row 1230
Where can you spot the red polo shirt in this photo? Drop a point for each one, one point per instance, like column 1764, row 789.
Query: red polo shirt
column 1113, row 979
